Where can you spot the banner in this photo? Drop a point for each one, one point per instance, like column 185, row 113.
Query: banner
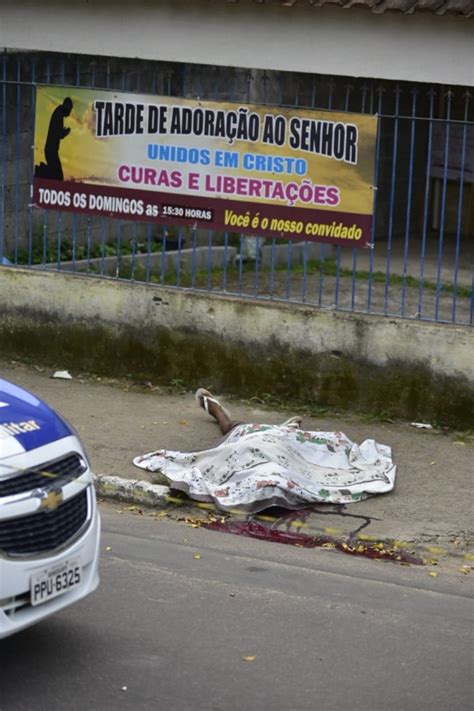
column 259, row 170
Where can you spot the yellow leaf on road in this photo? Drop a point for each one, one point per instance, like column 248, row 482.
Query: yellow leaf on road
column 433, row 574
column 366, row 537
column 250, row 658
column 197, row 556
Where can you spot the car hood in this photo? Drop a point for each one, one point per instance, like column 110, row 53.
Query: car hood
column 26, row 422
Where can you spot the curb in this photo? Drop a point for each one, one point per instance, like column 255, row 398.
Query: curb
column 141, row 492
column 135, row 491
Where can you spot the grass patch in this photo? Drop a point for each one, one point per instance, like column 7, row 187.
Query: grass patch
column 43, row 252
column 327, row 267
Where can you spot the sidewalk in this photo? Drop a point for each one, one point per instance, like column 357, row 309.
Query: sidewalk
column 431, row 507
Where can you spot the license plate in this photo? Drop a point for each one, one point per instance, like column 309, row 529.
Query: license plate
column 55, row 581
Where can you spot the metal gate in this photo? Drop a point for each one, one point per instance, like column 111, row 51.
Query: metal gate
column 420, row 264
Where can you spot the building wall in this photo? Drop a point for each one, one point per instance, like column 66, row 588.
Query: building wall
column 301, row 38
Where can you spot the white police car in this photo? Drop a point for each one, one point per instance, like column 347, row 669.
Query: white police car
column 49, row 523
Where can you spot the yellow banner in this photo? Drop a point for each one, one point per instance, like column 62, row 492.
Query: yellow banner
column 255, row 169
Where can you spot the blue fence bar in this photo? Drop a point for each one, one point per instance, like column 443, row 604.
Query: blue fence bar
column 393, row 185
column 460, row 201
column 414, row 93
column 380, row 91
column 30, row 206
column 432, row 94
column 419, row 262
column 443, row 205
column 17, row 161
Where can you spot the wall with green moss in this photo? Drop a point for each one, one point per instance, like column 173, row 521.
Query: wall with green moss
column 402, row 368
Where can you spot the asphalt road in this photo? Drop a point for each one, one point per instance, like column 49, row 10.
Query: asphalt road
column 179, row 608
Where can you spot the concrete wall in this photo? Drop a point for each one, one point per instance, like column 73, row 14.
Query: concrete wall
column 349, row 361
column 301, row 38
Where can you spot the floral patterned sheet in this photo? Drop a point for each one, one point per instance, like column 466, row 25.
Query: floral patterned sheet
column 258, row 466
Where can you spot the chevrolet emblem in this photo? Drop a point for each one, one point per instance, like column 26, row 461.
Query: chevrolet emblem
column 52, row 500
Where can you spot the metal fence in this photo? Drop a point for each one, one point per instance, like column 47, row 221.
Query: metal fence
column 420, row 264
